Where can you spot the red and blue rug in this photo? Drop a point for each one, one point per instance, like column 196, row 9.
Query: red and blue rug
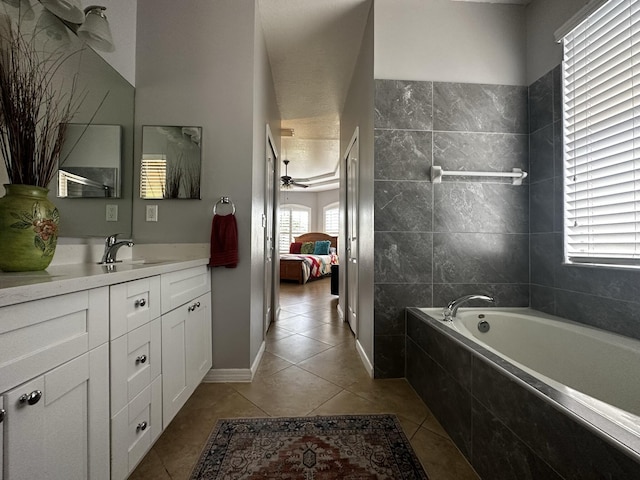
column 354, row 447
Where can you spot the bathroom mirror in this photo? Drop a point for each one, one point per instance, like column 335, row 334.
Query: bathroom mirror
column 90, row 162
column 171, row 162
column 108, row 100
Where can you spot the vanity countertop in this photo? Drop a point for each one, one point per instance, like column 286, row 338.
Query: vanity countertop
column 17, row 287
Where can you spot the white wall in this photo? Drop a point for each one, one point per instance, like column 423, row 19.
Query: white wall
column 446, row 41
column 544, row 17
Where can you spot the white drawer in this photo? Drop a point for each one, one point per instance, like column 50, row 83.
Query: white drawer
column 135, row 428
column 39, row 335
column 135, row 362
column 183, row 286
column 133, row 304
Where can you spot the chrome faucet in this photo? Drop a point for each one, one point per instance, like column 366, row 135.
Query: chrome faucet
column 111, row 247
column 453, row 306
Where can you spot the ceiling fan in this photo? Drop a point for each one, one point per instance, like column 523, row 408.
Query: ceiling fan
column 287, row 181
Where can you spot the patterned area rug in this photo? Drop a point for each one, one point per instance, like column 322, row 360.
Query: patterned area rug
column 354, row 447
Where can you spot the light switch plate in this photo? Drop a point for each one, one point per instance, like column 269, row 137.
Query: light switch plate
column 112, row 213
column 152, row 213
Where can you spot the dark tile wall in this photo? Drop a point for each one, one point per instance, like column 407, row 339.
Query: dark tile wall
column 504, row 429
column 606, row 298
column 436, row 242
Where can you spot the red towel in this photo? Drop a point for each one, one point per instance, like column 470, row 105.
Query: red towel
column 224, row 241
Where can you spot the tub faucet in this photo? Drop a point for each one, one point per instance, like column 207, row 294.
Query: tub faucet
column 451, row 309
column 111, row 247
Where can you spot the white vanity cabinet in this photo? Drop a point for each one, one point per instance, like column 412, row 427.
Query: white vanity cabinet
column 186, row 336
column 54, row 384
column 136, row 380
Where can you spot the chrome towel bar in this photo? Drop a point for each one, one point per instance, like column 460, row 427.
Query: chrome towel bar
column 516, row 174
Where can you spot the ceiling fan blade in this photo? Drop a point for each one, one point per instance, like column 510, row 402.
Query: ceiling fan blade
column 293, row 182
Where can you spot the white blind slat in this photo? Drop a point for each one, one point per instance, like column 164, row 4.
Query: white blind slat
column 601, row 93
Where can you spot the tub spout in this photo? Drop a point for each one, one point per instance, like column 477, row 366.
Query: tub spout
column 452, row 308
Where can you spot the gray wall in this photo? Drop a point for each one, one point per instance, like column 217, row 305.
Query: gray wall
column 602, row 297
column 436, row 242
column 187, row 74
column 358, row 112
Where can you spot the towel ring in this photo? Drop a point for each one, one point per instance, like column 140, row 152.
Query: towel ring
column 224, row 201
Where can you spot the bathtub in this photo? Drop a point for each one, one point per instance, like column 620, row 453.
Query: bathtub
column 589, row 376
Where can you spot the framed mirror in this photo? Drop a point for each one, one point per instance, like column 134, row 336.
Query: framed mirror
column 90, row 162
column 171, row 162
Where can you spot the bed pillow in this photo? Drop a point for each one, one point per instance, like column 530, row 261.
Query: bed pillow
column 307, row 247
column 295, row 247
column 322, row 247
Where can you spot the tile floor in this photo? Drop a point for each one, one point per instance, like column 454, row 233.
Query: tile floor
column 310, row 367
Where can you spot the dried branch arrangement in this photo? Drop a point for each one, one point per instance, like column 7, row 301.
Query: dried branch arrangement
column 35, row 105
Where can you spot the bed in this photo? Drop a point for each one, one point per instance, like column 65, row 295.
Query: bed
column 304, row 267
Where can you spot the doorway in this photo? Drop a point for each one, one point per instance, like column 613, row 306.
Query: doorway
column 352, row 176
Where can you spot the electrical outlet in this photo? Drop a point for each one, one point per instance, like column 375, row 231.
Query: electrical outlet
column 152, row 213
column 112, row 213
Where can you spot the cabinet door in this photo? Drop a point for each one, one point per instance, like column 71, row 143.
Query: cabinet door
column 2, row 413
column 57, row 425
column 186, row 353
column 199, row 353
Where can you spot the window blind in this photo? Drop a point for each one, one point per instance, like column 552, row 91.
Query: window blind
column 153, row 177
column 602, row 135
column 332, row 220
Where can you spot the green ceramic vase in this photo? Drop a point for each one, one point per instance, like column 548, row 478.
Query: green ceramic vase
column 28, row 228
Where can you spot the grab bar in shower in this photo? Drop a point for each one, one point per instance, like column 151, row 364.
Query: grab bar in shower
column 516, row 174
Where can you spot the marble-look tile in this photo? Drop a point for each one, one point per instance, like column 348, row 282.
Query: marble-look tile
column 403, row 206
column 402, row 154
column 150, row 467
column 557, row 93
column 481, row 207
column 544, row 258
column 572, row 450
column 480, row 258
column 558, row 149
column 403, row 104
column 330, row 333
column 481, row 151
column 389, row 356
column 541, row 102
column 515, row 461
column 442, row 350
column 505, row 294
column 390, row 302
column 541, row 154
column 615, row 284
column 470, row 107
column 403, row 257
column 270, row 364
column 613, row 315
column 543, row 299
column 542, row 206
column 298, row 324
column 558, row 205
column 437, row 455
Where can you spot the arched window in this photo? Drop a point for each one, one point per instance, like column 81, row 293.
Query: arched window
column 331, row 218
column 293, row 220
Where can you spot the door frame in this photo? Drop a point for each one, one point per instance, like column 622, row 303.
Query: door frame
column 347, row 288
column 270, row 295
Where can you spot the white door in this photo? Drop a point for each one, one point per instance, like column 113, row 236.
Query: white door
column 270, row 175
column 353, row 179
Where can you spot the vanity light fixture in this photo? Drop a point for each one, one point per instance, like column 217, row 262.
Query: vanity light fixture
column 67, row 10
column 95, row 29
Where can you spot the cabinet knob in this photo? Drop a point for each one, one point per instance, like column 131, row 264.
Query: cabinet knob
column 142, row 426
column 141, row 359
column 31, row 398
column 193, row 307
column 2, row 414
column 140, row 303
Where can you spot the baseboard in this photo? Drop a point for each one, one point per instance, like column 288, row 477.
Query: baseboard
column 235, row 375
column 340, row 312
column 365, row 360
